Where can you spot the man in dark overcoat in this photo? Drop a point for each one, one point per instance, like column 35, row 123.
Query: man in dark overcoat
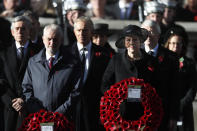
column 165, row 82
column 94, row 61
column 13, row 65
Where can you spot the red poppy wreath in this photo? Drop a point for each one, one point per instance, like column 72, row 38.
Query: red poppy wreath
column 32, row 122
column 110, row 106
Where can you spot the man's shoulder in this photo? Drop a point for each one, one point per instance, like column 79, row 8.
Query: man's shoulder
column 37, row 57
column 69, row 52
column 70, row 49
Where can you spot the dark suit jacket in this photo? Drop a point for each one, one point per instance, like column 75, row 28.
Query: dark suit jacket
column 10, row 81
column 90, row 91
column 109, row 49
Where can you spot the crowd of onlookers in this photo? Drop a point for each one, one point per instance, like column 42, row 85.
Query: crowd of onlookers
column 67, row 66
column 105, row 9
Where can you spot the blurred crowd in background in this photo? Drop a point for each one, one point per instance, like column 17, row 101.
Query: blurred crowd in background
column 186, row 10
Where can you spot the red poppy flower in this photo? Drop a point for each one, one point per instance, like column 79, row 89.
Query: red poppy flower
column 180, row 65
column 111, row 55
column 32, row 122
column 181, row 60
column 160, row 58
column 98, row 54
column 151, row 68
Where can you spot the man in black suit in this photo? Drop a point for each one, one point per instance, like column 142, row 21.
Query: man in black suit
column 13, row 65
column 166, row 74
column 94, row 61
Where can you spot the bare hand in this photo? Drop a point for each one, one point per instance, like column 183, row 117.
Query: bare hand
column 17, row 104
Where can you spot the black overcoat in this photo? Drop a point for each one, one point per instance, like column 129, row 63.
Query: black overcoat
column 10, row 82
column 187, row 74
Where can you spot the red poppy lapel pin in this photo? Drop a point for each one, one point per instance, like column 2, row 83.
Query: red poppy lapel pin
column 97, row 54
column 181, row 60
column 160, row 58
column 151, row 68
column 195, row 18
column 111, row 54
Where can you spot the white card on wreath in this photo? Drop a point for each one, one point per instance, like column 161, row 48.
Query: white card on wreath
column 47, row 126
column 134, row 93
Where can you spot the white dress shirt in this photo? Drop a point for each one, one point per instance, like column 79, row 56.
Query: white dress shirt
column 54, row 56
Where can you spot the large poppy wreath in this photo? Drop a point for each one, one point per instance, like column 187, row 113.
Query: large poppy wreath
column 32, row 122
column 110, row 106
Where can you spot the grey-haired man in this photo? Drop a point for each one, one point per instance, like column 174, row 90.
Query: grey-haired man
column 13, row 65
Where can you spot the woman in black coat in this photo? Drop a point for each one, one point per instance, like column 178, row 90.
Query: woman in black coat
column 177, row 40
column 134, row 62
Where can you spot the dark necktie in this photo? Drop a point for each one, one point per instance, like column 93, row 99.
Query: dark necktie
column 83, row 63
column 51, row 62
column 21, row 53
column 83, row 60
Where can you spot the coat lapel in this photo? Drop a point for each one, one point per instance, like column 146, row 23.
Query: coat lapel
column 75, row 51
column 24, row 62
